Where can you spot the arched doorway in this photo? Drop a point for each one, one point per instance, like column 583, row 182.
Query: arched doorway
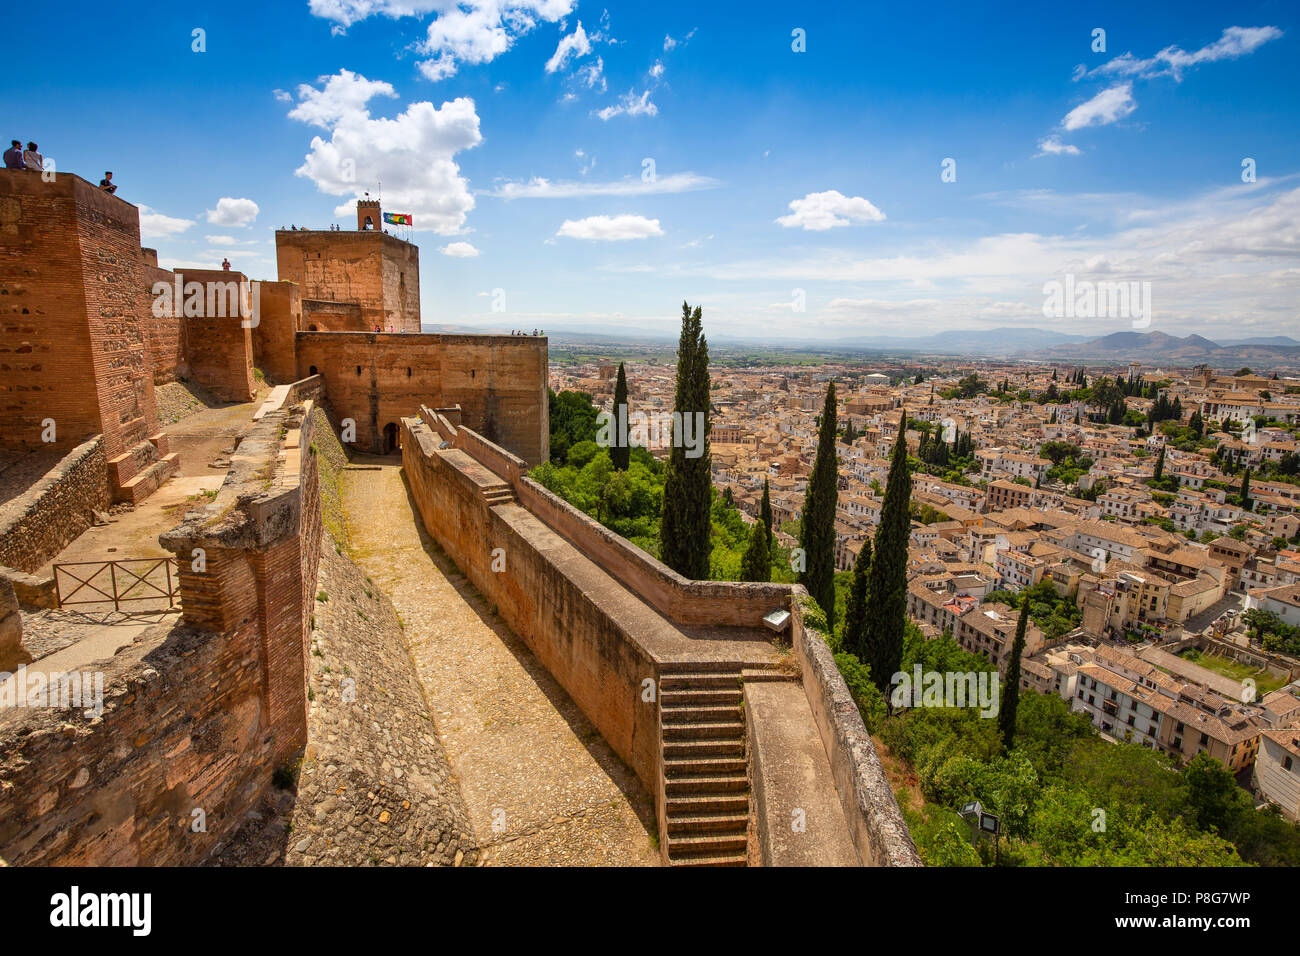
column 391, row 433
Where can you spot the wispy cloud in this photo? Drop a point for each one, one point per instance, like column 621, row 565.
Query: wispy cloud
column 539, row 188
column 1173, row 60
column 1111, row 104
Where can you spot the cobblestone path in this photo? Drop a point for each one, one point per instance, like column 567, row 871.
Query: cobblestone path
column 540, row 784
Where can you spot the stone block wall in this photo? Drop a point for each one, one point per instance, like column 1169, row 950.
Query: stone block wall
column 53, row 512
column 219, row 348
column 376, row 379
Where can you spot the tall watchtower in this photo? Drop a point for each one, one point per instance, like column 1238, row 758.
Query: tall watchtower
column 368, row 217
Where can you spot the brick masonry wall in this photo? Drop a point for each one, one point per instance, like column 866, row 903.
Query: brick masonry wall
column 380, row 273
column 42, row 521
column 280, row 318
column 218, row 348
column 498, row 380
column 184, row 728
column 71, row 300
column 164, row 332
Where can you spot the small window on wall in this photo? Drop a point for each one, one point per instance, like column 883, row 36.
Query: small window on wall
column 408, row 371
column 312, row 371
column 471, row 373
column 358, row 370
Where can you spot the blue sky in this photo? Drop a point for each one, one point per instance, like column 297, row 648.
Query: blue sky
column 520, row 143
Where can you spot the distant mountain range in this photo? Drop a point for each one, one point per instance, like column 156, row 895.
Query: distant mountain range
column 1153, row 347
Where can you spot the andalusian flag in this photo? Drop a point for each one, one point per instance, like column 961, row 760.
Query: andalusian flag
column 398, row 218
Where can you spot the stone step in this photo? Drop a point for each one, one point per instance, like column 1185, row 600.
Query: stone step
column 710, row 680
column 709, row 764
column 706, row 697
column 675, row 749
column 708, row 803
column 712, row 823
column 722, row 730
column 751, row 675
column 697, row 713
column 698, row 667
column 695, row 785
column 706, row 844
column 720, row 859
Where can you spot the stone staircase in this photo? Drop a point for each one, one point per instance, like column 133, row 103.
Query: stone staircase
column 498, row 494
column 706, row 780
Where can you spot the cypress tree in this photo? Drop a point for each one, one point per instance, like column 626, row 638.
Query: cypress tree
column 1159, row 471
column 887, row 581
column 1011, row 686
column 684, row 522
column 1245, row 490
column 756, row 565
column 817, row 535
column 621, row 452
column 855, row 615
column 765, row 516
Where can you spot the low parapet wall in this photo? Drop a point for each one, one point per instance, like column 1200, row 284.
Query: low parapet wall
column 54, row 511
column 876, row 824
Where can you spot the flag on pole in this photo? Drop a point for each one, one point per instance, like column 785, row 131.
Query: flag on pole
column 398, row 218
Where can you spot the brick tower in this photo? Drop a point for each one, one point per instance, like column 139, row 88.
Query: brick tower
column 368, row 209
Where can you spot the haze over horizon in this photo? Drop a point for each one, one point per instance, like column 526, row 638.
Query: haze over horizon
column 590, row 168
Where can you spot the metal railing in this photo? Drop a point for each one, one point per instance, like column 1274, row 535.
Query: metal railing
column 127, row 580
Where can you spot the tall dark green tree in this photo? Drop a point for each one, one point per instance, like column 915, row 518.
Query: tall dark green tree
column 1011, row 685
column 1245, row 491
column 887, row 582
column 855, row 614
column 765, row 516
column 620, row 453
column 1159, row 471
column 817, row 532
column 684, row 522
column 756, row 565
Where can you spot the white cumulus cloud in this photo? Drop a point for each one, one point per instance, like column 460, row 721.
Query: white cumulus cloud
column 819, row 211
column 1111, row 104
column 154, row 225
column 610, row 228
column 412, row 154
column 1052, row 146
column 459, row 250
column 233, row 212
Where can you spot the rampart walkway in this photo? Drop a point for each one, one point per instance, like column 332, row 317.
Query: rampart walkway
column 541, row 785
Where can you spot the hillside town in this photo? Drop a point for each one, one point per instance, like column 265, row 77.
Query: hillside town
column 1159, row 509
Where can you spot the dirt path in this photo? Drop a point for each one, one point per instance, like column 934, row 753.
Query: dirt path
column 540, row 784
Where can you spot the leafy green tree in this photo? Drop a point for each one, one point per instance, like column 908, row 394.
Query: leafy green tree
column 573, row 420
column 887, row 582
column 1214, row 801
column 817, row 535
column 685, row 521
column 757, row 562
column 620, row 452
column 855, row 617
column 1011, row 686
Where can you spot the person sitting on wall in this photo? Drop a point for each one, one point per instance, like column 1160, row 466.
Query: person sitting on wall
column 33, row 159
column 14, row 156
column 107, row 183
column 225, row 265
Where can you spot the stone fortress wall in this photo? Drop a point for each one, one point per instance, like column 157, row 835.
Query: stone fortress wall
column 199, row 713
column 604, row 642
